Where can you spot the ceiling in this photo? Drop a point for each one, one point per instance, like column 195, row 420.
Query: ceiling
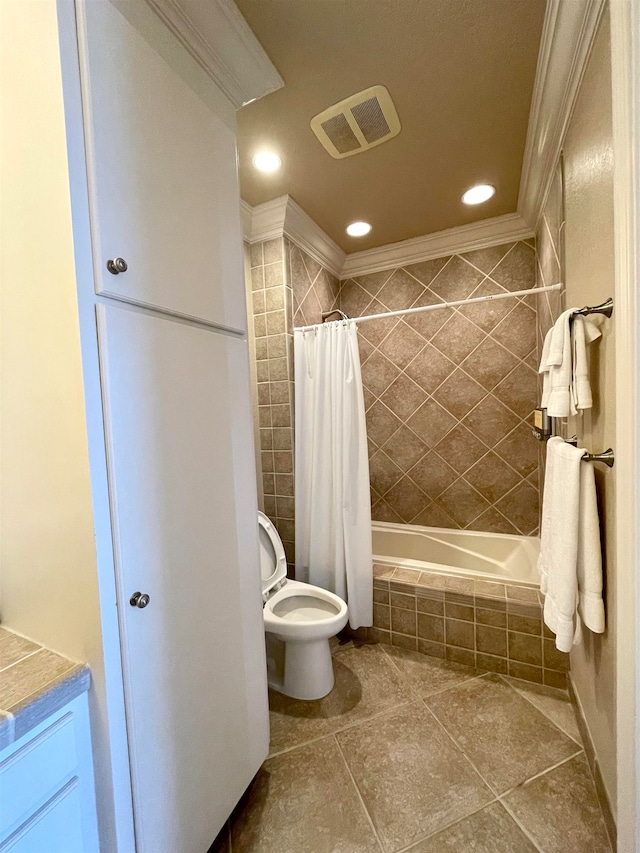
column 461, row 75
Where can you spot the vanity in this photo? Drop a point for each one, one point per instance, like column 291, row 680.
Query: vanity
column 47, row 797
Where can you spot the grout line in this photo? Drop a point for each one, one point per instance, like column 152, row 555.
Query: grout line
column 414, row 844
column 359, row 795
column 491, row 788
column 25, row 657
column 524, row 696
column 541, row 773
column 521, row 826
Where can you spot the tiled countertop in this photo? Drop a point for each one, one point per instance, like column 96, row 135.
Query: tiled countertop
column 34, row 683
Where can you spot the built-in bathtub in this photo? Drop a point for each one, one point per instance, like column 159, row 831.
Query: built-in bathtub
column 496, row 557
column 468, row 597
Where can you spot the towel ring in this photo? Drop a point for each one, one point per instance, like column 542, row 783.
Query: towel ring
column 607, row 457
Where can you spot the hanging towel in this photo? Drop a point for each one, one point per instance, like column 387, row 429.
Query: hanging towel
column 583, row 332
column 570, row 562
column 564, row 366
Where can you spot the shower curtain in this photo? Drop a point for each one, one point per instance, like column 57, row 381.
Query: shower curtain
column 332, row 502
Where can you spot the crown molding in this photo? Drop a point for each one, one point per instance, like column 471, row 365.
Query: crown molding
column 466, row 238
column 283, row 216
column 220, row 40
column 567, row 37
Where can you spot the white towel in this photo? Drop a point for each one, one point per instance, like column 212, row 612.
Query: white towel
column 583, row 332
column 570, row 562
column 564, row 366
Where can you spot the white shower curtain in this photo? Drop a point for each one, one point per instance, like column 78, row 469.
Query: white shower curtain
column 333, row 509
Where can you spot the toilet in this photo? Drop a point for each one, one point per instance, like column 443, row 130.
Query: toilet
column 299, row 620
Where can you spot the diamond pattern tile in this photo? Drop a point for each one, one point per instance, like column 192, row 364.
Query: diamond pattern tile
column 462, row 502
column 383, row 472
column 519, row 450
column 404, row 397
column 426, row 271
column 400, row 291
column 457, row 280
column 459, row 393
column 458, row 337
column 430, row 368
column 404, row 448
column 378, row 373
column 517, row 332
column 402, row 345
column 432, row 474
column 381, row 423
column 492, row 477
column 521, row 507
column 447, row 392
column 407, row 500
column 376, row 331
column 487, row 259
column 489, row 363
column 518, row 389
column 460, row 448
column 431, row 422
column 517, row 266
column 487, row 315
column 490, row 421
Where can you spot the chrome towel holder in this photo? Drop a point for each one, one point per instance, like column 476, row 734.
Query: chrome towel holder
column 607, row 457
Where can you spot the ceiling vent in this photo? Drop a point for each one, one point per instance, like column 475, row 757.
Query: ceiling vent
column 358, row 123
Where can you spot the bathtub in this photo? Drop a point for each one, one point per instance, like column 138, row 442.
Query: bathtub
column 469, row 554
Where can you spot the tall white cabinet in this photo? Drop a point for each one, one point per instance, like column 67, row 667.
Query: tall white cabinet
column 155, row 204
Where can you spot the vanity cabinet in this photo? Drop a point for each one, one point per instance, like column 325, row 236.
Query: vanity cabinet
column 47, row 800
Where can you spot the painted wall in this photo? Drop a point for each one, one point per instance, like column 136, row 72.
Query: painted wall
column 589, row 253
column 48, row 574
column 449, row 394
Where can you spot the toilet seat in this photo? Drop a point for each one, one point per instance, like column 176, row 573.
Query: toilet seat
column 273, row 561
column 326, row 613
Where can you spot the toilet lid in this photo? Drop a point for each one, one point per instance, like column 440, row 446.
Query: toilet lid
column 273, row 562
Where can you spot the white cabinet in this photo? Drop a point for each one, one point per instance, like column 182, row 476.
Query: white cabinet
column 178, row 427
column 47, row 802
column 162, row 178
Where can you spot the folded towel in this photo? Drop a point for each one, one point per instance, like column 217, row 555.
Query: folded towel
column 570, row 562
column 564, row 366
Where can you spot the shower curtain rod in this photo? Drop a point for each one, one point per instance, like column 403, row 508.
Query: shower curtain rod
column 439, row 305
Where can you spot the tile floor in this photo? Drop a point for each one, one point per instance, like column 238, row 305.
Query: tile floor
column 412, row 753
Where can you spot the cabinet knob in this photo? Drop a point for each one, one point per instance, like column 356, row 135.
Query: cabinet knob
column 139, row 599
column 117, row 265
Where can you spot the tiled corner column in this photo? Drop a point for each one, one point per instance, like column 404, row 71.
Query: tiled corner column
column 491, row 626
column 272, row 310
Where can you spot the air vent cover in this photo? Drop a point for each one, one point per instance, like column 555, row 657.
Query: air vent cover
column 358, row 123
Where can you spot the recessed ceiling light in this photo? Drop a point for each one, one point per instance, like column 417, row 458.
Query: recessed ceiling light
column 267, row 161
column 358, row 229
column 478, row 194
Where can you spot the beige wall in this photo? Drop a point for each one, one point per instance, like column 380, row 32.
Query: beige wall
column 48, row 568
column 589, row 262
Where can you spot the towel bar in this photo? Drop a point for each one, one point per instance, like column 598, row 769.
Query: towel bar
column 607, row 457
column 605, row 308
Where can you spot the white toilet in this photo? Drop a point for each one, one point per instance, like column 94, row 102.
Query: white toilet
column 299, row 619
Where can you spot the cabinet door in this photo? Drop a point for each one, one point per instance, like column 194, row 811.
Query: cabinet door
column 162, row 178
column 180, row 458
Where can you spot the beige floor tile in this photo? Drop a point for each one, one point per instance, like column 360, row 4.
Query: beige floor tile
column 412, row 778
column 491, row 830
column 367, row 683
column 427, row 675
column 554, row 704
column 506, row 738
column 303, row 802
column 560, row 810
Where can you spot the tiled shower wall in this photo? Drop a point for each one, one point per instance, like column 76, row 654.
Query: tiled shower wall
column 449, row 394
column 272, row 324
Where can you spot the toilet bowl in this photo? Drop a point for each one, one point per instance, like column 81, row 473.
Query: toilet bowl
column 299, row 620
